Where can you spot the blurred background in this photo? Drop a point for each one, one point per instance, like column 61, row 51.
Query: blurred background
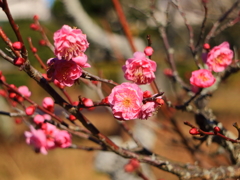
column 107, row 52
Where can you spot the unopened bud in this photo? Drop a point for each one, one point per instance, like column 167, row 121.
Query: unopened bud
column 30, row 110
column 194, row 131
column 18, row 61
column 17, row 45
column 87, row 102
column 35, row 17
column 148, row 51
column 34, row 27
column 206, row 46
column 34, row 50
column 42, row 42
column 216, row 129
column 71, row 117
column 147, row 94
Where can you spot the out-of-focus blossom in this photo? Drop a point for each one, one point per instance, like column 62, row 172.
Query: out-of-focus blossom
column 139, row 69
column 48, row 103
column 147, row 110
column 202, row 78
column 37, row 139
column 38, row 119
column 24, row 91
column 63, row 139
column 219, row 57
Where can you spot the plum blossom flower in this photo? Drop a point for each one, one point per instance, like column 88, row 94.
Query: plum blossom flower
column 139, row 69
column 219, row 57
column 66, row 72
column 24, row 91
column 202, row 78
column 38, row 119
column 126, row 101
column 147, row 110
column 69, row 42
column 62, row 139
column 37, row 139
column 48, row 103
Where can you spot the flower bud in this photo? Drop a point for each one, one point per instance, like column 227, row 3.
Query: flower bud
column 35, row 18
column 34, row 50
column 18, row 61
column 18, row 120
column 194, row 131
column 87, row 102
column 71, row 117
column 17, row 45
column 206, row 46
column 30, row 110
column 160, row 101
column 129, row 168
column 34, row 27
column 216, row 129
column 148, row 51
column 42, row 42
column 48, row 104
column 147, row 94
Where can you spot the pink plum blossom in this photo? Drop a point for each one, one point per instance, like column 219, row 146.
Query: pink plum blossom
column 48, row 103
column 147, row 110
column 62, row 139
column 24, row 91
column 219, row 57
column 126, row 101
column 38, row 119
column 37, row 139
column 69, row 42
column 139, row 69
column 81, row 60
column 148, row 51
column 66, row 72
column 202, row 78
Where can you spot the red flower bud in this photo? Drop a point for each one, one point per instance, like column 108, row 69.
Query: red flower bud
column 42, row 42
column 12, row 95
column 129, row 168
column 135, row 163
column 206, row 46
column 71, row 117
column 34, row 27
column 105, row 100
column 34, row 50
column 17, row 45
column 18, row 61
column 3, row 93
column 160, row 101
column 194, row 131
column 216, row 129
column 148, row 51
column 168, row 72
column 87, row 102
column 18, row 120
column 30, row 110
column 147, row 94
column 35, row 17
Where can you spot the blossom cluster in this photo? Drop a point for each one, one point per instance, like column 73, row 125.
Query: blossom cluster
column 46, row 136
column 217, row 60
column 70, row 45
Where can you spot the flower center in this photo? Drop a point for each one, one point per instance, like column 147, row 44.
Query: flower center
column 127, row 102
column 220, row 58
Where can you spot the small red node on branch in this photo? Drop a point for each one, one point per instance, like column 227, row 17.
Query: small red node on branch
column 194, row 131
column 129, row 168
column 3, row 93
column 18, row 120
column 160, row 101
column 206, row 46
column 95, row 82
column 148, row 51
column 34, row 50
column 30, row 110
column 216, row 129
column 34, row 26
column 17, row 45
column 105, row 100
column 35, row 18
column 42, row 42
column 168, row 72
column 18, row 61
column 87, row 102
column 12, row 95
column 147, row 94
column 135, row 163
column 71, row 117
